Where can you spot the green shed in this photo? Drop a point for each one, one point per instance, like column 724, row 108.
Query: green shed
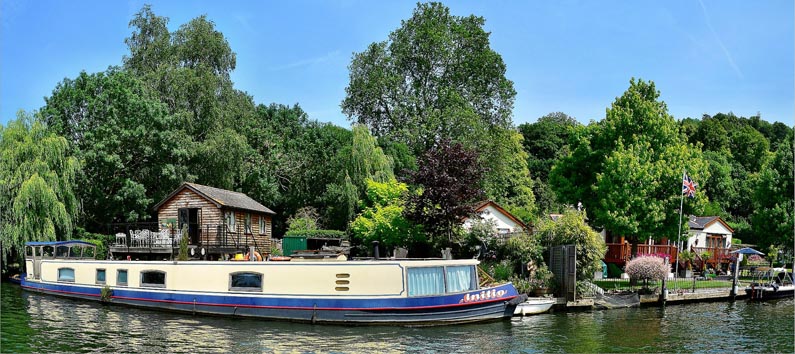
column 291, row 244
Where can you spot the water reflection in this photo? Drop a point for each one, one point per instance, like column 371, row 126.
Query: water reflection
column 37, row 323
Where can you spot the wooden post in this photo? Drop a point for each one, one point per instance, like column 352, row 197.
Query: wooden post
column 664, row 292
column 735, row 277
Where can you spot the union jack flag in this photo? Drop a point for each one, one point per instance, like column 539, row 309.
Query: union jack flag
column 688, row 187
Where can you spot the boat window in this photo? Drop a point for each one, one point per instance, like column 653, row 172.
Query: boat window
column 460, row 278
column 121, row 277
column 29, row 251
column 426, row 281
column 88, row 252
column 48, row 251
column 66, row 274
column 61, row 251
column 245, row 281
column 74, row 252
column 100, row 276
column 153, row 278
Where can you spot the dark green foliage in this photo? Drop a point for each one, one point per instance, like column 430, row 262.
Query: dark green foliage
column 773, row 215
column 100, row 240
column 124, row 136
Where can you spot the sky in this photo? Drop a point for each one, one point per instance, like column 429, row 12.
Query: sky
column 575, row 57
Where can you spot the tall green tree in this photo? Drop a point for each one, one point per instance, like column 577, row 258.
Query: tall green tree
column 545, row 141
column 772, row 219
column 38, row 177
column 132, row 155
column 436, row 77
column 627, row 169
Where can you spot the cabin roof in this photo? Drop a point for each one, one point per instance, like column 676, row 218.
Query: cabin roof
column 701, row 222
column 220, row 197
column 480, row 206
column 59, row 243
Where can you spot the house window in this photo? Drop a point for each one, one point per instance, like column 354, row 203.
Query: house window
column 248, row 223
column 261, row 225
column 460, row 278
column 230, row 220
column 100, row 276
column 245, row 281
column 66, row 274
column 425, row 281
column 153, row 278
column 121, row 277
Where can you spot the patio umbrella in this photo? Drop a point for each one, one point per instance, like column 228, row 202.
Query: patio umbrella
column 747, row 250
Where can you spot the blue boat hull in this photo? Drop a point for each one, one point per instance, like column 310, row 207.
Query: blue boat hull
column 481, row 305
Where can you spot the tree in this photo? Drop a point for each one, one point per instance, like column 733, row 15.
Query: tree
column 545, row 141
column 749, row 148
column 382, row 217
column 449, row 181
column 508, row 180
column 367, row 160
column 571, row 228
column 772, row 219
column 37, row 181
column 124, row 136
column 435, row 78
column 627, row 169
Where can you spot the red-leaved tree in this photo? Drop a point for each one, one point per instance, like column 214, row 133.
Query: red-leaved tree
column 449, row 184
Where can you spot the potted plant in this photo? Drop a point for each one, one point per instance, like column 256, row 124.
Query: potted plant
column 688, row 258
column 541, row 281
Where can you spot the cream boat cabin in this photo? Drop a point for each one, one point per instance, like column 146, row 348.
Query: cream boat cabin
column 372, row 291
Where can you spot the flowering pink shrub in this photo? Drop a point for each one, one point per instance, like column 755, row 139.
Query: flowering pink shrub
column 647, row 268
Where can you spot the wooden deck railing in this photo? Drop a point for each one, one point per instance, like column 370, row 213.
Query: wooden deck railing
column 622, row 252
column 717, row 255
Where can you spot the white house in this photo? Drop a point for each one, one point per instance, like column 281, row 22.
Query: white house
column 709, row 232
column 504, row 221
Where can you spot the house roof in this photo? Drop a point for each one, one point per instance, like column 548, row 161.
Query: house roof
column 222, row 198
column 483, row 204
column 702, row 222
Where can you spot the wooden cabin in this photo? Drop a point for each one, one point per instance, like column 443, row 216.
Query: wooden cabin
column 217, row 220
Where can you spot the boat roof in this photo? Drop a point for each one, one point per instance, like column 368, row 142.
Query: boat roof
column 60, row 243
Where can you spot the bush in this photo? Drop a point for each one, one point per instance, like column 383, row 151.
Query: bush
column 99, row 240
column 647, row 268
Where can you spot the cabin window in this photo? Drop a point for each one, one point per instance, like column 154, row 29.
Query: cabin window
column 61, row 251
column 66, row 274
column 230, row 220
column 153, row 278
column 29, row 251
column 261, row 225
column 248, row 223
column 121, row 277
column 48, row 251
column 75, row 251
column 460, row 278
column 426, row 281
column 100, row 276
column 245, row 281
column 88, row 252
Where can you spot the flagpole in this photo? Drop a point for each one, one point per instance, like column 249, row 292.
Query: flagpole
column 679, row 233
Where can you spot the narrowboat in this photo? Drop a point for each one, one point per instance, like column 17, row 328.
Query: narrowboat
column 386, row 291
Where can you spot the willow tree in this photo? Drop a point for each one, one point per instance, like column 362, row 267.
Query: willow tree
column 37, row 179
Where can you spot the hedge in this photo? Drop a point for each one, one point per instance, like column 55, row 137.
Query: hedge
column 316, row 233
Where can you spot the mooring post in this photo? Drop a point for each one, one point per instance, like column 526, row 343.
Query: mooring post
column 664, row 294
column 734, row 278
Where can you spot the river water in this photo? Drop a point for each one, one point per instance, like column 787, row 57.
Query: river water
column 41, row 323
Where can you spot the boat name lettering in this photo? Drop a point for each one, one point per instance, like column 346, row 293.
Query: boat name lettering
column 483, row 296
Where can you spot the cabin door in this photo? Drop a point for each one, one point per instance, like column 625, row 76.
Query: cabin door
column 190, row 217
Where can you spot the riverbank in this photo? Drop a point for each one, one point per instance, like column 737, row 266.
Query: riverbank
column 651, row 300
